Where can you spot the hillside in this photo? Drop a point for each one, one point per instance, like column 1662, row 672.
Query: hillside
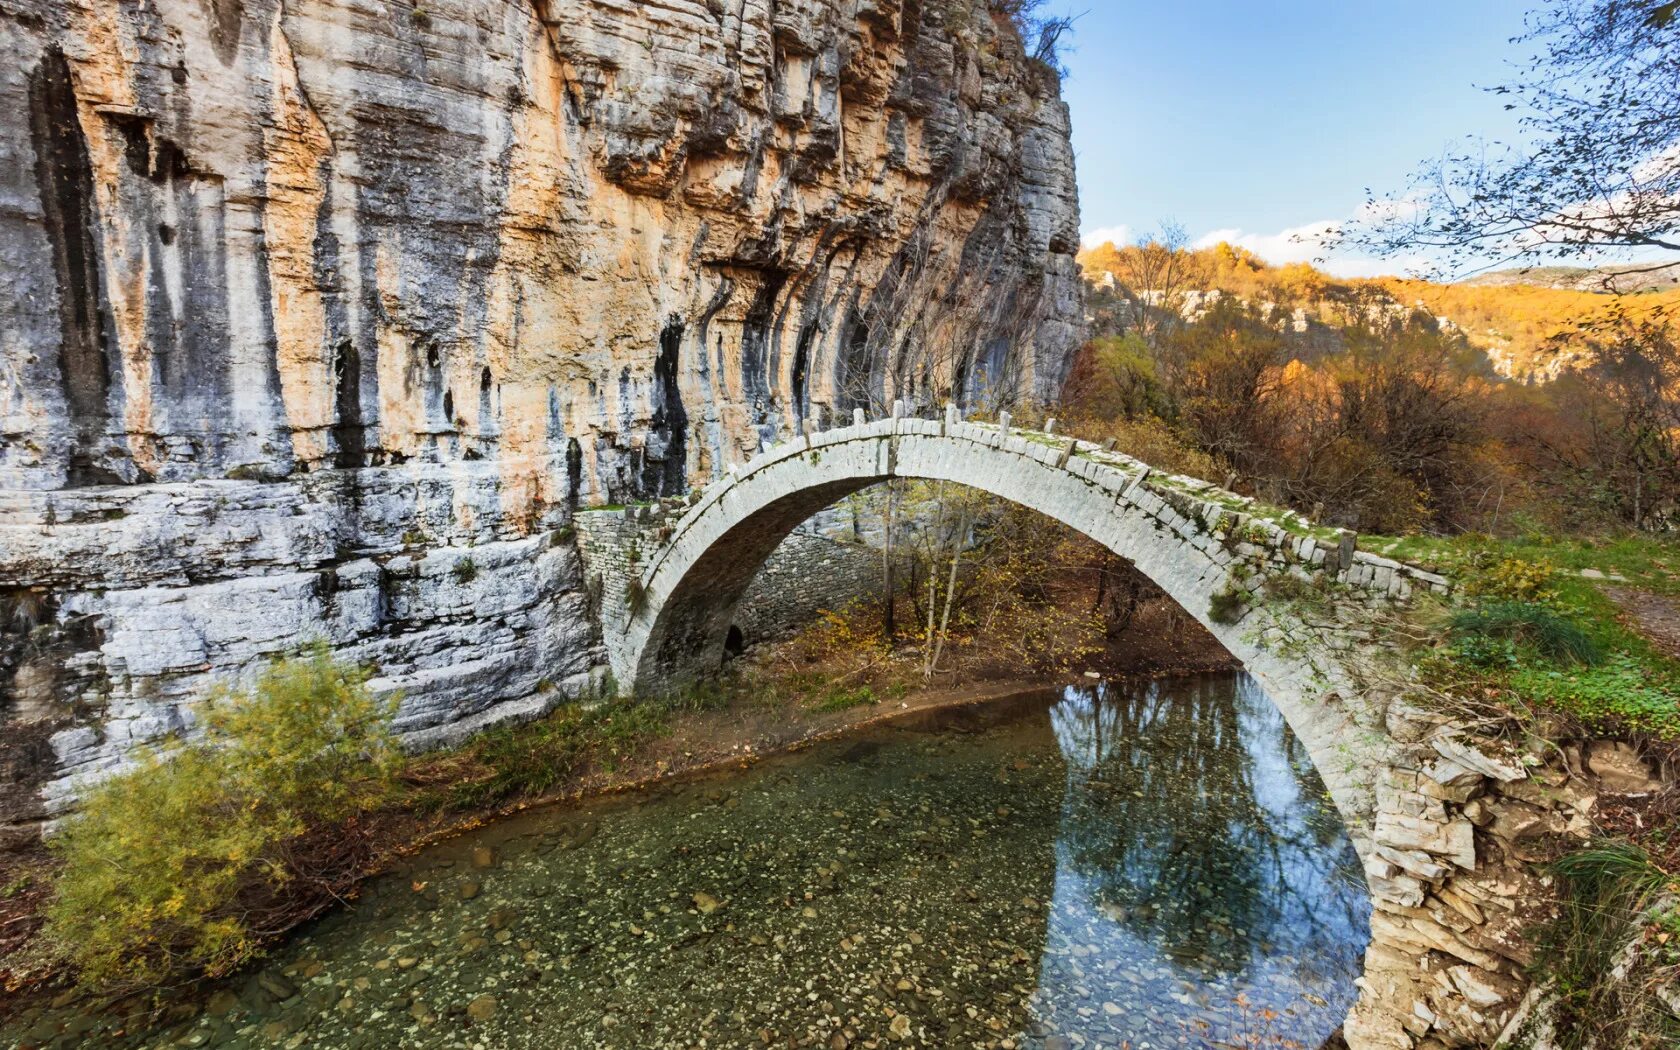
column 1526, row 322
column 1623, row 279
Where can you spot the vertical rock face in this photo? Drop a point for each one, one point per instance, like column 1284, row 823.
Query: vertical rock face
column 300, row 299
column 277, row 236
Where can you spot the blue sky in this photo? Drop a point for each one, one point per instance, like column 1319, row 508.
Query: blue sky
column 1253, row 121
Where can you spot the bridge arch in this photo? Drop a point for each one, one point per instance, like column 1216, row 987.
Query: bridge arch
column 1434, row 978
column 1197, row 542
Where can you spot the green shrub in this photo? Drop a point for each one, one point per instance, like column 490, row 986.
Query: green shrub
column 164, row 861
column 1492, row 576
column 465, row 571
column 1554, row 635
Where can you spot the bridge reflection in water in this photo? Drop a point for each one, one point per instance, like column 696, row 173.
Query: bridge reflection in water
column 1204, row 883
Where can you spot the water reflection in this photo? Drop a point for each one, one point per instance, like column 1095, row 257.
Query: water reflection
column 1140, row 867
column 1203, row 881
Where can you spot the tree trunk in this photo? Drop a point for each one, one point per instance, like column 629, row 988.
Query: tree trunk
column 888, row 628
column 950, row 593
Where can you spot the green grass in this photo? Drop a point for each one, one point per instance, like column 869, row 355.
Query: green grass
column 1537, row 633
column 1608, row 893
column 842, row 699
column 1554, row 635
column 1645, row 563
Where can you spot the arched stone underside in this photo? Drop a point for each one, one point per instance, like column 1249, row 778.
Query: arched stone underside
column 1298, row 607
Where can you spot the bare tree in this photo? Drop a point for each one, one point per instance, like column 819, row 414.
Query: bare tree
column 1156, row 274
column 1599, row 165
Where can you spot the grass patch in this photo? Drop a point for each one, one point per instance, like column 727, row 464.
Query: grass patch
column 1537, row 635
column 531, row 759
column 1644, row 562
column 1612, row 894
column 1554, row 635
column 839, row 698
column 1621, row 693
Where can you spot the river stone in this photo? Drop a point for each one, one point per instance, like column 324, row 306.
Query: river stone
column 705, row 903
column 276, row 984
column 222, row 1003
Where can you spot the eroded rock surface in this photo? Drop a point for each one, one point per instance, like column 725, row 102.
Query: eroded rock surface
column 319, row 317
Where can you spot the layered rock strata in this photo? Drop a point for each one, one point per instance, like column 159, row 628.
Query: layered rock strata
column 319, row 318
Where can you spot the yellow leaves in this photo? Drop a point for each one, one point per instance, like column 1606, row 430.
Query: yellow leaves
column 158, row 856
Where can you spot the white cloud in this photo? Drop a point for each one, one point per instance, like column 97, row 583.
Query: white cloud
column 1295, row 244
column 1104, row 235
column 1310, row 243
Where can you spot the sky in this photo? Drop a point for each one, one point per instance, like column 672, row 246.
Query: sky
column 1256, row 122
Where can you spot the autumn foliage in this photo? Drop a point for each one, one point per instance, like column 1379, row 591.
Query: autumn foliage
column 1386, row 405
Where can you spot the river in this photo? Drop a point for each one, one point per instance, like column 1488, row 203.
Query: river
column 1132, row 866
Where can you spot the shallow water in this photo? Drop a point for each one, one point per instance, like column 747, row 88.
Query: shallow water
column 1140, row 866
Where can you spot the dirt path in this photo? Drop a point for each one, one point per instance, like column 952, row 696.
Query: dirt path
column 1656, row 616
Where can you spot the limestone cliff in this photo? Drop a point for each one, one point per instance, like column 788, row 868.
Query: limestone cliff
column 301, row 299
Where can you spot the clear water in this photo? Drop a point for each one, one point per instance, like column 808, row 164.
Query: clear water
column 1148, row 866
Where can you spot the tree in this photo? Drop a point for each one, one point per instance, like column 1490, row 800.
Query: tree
column 1225, row 369
column 1114, row 377
column 1599, row 167
column 1626, row 451
column 1156, row 274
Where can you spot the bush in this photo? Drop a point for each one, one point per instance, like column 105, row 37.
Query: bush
column 1552, row 634
column 1511, row 579
column 168, row 864
column 1227, row 606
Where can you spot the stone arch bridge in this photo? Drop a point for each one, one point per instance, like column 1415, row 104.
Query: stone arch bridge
column 1296, row 603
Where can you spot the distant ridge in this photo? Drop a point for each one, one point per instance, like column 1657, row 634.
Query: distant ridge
column 1605, row 279
column 1528, row 321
